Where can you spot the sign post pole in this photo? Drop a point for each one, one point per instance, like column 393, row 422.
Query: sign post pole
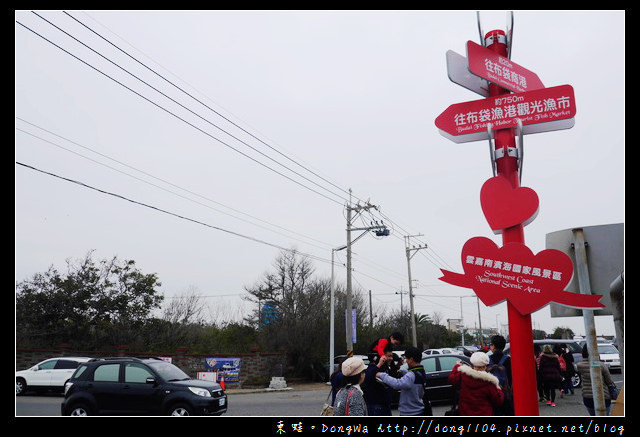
column 525, row 394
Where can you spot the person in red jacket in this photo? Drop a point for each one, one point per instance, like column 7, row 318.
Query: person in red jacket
column 479, row 390
column 377, row 348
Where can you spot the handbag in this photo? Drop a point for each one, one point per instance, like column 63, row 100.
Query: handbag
column 613, row 392
column 327, row 408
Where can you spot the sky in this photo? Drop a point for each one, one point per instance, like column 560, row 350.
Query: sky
column 202, row 143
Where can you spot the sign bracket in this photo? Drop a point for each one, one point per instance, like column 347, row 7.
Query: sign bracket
column 492, row 155
column 520, row 145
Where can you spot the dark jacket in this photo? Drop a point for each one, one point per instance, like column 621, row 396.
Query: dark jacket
column 376, row 394
column 549, row 370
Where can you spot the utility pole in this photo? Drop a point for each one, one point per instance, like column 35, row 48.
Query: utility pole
column 414, row 338
column 381, row 230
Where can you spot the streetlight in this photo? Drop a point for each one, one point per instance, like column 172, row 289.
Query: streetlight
column 332, row 329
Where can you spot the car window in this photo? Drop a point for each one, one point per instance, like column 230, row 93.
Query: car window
column 136, row 373
column 607, row 349
column 429, row 364
column 79, row 371
column 48, row 365
column 447, row 363
column 66, row 364
column 107, row 373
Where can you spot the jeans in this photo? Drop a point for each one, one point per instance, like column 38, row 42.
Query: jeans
column 588, row 402
column 378, row 410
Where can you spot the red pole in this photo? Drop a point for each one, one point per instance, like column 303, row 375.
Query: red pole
column 523, row 368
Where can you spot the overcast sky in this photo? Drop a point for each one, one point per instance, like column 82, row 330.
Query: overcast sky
column 218, row 137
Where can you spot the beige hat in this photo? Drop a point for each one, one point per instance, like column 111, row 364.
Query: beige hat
column 353, row 366
column 479, row 359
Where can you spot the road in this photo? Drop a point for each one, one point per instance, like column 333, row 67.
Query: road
column 296, row 400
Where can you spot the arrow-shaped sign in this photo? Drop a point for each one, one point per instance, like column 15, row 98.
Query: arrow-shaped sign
column 458, row 72
column 541, row 110
column 500, row 70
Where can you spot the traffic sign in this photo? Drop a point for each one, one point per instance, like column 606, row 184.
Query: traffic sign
column 458, row 72
column 500, row 70
column 541, row 110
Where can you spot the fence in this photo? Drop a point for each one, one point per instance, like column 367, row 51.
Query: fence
column 256, row 368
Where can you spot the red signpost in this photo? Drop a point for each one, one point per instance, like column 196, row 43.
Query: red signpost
column 513, row 273
column 525, row 392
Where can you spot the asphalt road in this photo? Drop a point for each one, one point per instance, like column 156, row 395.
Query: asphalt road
column 295, row 400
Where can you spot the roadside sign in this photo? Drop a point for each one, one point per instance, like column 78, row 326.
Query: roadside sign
column 541, row 110
column 500, row 70
column 458, row 72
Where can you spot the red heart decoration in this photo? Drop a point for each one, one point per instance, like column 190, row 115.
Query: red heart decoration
column 505, row 206
column 513, row 272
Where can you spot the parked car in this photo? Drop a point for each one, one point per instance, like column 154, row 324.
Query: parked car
column 136, row 386
column 467, row 350
column 339, row 359
column 573, row 345
column 437, row 367
column 50, row 374
column 441, row 351
column 610, row 356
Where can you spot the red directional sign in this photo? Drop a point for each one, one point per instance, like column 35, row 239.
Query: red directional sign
column 541, row 110
column 500, row 70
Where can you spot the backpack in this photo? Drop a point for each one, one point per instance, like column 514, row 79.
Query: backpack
column 499, row 371
column 563, row 364
column 421, row 378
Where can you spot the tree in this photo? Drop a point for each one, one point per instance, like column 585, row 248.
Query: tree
column 92, row 304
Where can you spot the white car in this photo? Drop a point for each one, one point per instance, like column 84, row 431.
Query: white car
column 442, row 351
column 51, row 374
column 610, row 356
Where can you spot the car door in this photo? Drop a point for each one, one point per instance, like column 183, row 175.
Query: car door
column 139, row 396
column 106, row 387
column 41, row 373
column 62, row 371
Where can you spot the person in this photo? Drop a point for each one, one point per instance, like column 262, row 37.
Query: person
column 567, row 355
column 349, row 399
column 550, row 374
column 376, row 394
column 557, row 349
column 337, row 380
column 410, row 384
column 378, row 346
column 584, row 369
column 496, row 346
column 537, row 351
column 480, row 391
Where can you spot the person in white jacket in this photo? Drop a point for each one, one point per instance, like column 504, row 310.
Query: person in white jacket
column 410, row 384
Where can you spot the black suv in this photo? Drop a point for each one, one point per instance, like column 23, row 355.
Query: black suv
column 139, row 386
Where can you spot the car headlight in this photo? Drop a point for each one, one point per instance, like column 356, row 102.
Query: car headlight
column 67, row 386
column 200, row 391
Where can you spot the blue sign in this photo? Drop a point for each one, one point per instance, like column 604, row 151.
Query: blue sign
column 227, row 367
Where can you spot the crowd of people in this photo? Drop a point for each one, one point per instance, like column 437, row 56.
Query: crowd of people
column 483, row 387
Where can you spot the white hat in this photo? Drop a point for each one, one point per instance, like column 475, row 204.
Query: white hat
column 479, row 359
column 353, row 366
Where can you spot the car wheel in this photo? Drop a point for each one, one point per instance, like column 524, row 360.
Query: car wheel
column 576, row 380
column 180, row 410
column 21, row 386
column 79, row 410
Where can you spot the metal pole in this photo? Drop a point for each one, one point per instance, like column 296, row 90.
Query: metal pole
column 414, row 337
column 349, row 297
column 582, row 270
column 332, row 318
column 525, row 393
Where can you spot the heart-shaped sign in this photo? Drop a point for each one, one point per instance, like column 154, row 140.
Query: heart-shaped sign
column 512, row 272
column 505, row 206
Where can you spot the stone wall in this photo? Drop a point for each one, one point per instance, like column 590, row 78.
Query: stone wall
column 256, row 368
